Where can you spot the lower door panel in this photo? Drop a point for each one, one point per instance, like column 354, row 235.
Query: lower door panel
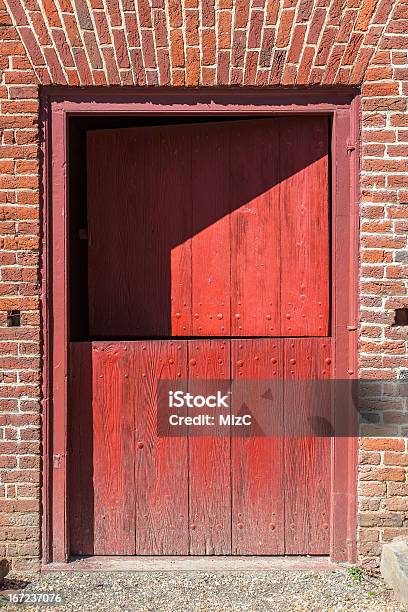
column 135, row 492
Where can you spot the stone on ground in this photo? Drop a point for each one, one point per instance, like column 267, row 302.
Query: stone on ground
column 394, row 567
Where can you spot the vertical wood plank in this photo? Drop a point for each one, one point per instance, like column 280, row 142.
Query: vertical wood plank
column 80, row 437
column 209, row 459
column 255, row 228
column 257, row 460
column 161, row 470
column 307, row 415
column 305, row 240
column 115, row 181
column 113, row 452
column 166, row 259
column 210, row 247
column 139, row 223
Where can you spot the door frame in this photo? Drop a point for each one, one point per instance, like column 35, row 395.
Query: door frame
column 58, row 104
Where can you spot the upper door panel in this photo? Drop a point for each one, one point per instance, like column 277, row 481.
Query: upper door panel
column 212, row 229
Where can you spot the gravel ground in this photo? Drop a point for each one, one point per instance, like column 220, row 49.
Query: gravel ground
column 200, row 591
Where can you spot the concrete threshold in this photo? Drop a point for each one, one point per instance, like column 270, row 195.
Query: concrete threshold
column 194, row 564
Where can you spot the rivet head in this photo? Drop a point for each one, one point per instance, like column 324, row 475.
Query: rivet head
column 193, row 361
column 219, row 315
column 240, row 525
column 240, row 363
column 220, row 361
column 328, row 360
column 292, row 361
column 268, row 317
column 237, row 316
column 192, row 526
column 196, row 315
column 287, row 315
column 140, row 445
column 274, row 360
column 178, row 315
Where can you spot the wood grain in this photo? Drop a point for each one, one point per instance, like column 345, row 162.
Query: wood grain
column 255, row 229
column 209, row 459
column 113, row 452
column 305, row 238
column 211, row 240
column 80, row 436
column 161, row 470
column 307, row 453
column 257, row 459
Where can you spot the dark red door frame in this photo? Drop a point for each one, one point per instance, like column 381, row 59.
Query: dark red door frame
column 58, row 104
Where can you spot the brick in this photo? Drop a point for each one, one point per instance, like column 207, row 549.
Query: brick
column 380, row 89
column 396, row 504
column 372, row 489
column 175, row 13
column 224, row 30
column 285, row 27
column 388, row 444
column 241, row 14
column 255, row 30
column 369, row 535
column 380, row 519
column 393, row 458
column 193, row 67
column 208, row 47
column 316, row 25
column 384, row 474
column 84, row 17
column 192, row 25
column 296, row 44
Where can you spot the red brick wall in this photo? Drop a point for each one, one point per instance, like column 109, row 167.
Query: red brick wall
column 191, row 43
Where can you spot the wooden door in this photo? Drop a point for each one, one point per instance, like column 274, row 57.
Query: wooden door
column 208, row 260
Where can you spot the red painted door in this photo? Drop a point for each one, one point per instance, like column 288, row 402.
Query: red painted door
column 208, row 260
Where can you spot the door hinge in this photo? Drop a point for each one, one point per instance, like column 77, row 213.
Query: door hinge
column 350, row 148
